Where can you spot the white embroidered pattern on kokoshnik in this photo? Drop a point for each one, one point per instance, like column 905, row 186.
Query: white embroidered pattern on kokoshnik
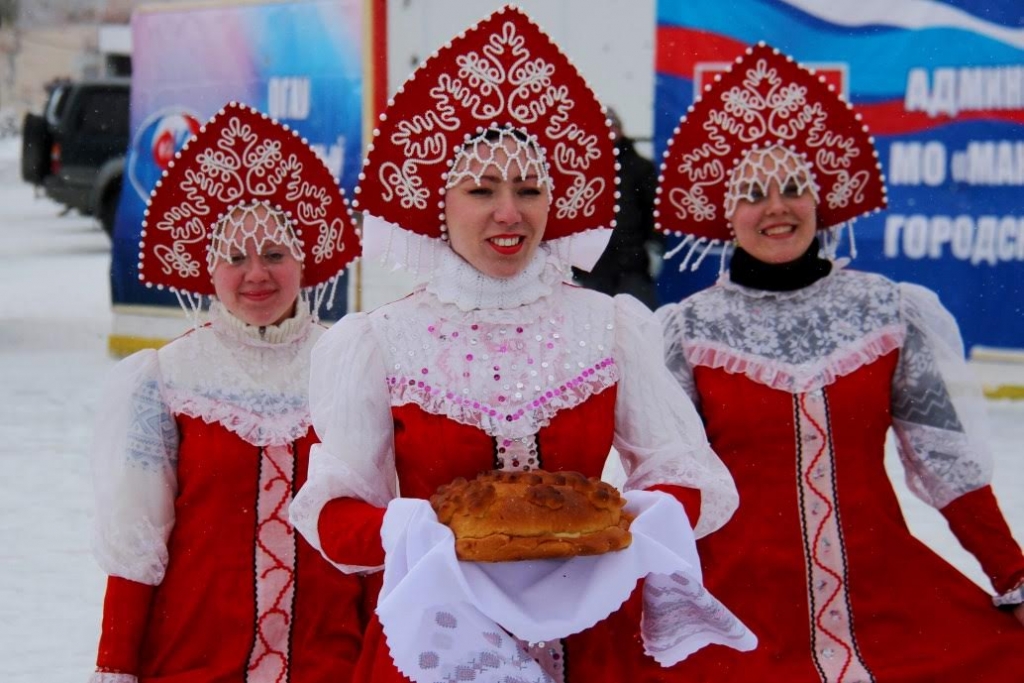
column 508, row 80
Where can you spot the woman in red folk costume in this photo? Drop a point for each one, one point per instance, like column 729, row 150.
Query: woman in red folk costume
column 799, row 367
column 491, row 173
column 203, row 442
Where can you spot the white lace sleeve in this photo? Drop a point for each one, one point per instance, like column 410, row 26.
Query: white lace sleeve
column 134, row 459
column 351, row 410
column 937, row 405
column 658, row 433
column 671, row 319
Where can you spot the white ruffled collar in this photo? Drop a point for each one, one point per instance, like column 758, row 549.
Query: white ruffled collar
column 795, row 341
column 291, row 330
column 457, row 282
column 254, row 385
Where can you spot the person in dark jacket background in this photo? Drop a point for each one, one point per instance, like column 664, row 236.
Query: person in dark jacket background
column 626, row 265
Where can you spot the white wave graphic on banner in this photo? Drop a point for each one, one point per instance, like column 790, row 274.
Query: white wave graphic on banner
column 909, row 14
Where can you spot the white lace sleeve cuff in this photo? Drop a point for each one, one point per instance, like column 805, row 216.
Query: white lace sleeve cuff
column 107, row 677
column 1010, row 598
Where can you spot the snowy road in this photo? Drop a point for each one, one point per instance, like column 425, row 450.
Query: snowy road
column 54, row 321
column 54, row 318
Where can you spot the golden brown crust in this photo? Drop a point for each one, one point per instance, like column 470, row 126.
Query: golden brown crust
column 508, row 516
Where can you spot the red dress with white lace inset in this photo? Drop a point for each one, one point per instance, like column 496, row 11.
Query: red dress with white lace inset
column 208, row 441
column 798, row 391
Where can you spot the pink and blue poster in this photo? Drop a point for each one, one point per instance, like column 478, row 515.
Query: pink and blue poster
column 300, row 62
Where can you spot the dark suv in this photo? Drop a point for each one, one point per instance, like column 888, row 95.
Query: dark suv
column 76, row 149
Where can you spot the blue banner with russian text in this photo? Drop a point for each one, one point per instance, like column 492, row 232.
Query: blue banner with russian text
column 940, row 84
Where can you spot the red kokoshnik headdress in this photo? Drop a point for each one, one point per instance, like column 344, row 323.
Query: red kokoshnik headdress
column 765, row 100
column 242, row 157
column 503, row 72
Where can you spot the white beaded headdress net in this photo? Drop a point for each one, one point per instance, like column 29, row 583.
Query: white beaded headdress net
column 506, row 153
column 255, row 224
column 752, row 178
column 509, row 151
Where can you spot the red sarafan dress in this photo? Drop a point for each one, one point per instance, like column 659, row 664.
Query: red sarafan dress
column 200, row 449
column 798, row 390
column 470, row 374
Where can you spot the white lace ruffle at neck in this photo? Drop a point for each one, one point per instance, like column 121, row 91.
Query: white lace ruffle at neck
column 457, row 282
column 795, row 341
column 253, row 381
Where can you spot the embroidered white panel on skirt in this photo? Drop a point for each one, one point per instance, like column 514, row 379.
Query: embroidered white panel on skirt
column 275, row 568
column 833, row 641
column 520, row 455
column 550, row 656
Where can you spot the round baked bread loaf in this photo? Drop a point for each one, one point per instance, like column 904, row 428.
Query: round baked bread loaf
column 508, row 516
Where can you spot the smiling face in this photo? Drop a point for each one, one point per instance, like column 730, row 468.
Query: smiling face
column 255, row 273
column 771, row 205
column 496, row 205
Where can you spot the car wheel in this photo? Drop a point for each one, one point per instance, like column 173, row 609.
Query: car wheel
column 35, row 149
column 107, row 213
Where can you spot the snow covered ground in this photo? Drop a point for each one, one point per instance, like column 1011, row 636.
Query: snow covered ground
column 54, row 321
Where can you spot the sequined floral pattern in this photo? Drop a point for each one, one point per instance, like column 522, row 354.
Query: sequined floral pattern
column 508, row 372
